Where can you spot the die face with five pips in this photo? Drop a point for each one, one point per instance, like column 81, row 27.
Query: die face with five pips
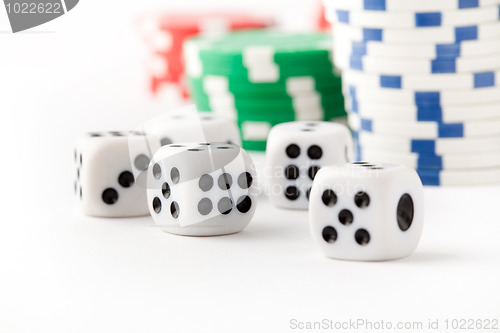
column 363, row 211
column 202, row 189
column 104, row 179
column 295, row 152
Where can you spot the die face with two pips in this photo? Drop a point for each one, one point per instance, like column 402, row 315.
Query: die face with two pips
column 202, row 189
column 104, row 179
column 363, row 211
column 295, row 152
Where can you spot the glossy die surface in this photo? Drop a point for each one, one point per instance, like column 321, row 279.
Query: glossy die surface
column 363, row 211
column 202, row 189
column 295, row 152
column 184, row 125
column 105, row 184
column 176, row 127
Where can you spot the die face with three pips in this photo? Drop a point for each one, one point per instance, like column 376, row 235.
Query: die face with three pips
column 363, row 211
column 202, row 189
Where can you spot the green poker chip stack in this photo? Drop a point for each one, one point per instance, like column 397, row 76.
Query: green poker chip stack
column 262, row 78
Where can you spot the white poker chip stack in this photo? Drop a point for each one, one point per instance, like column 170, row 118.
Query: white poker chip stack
column 422, row 84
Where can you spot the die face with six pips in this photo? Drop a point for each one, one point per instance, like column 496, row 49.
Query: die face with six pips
column 202, row 189
column 104, row 179
column 363, row 211
column 295, row 152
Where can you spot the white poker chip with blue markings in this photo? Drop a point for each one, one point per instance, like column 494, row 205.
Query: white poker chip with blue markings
column 434, row 35
column 408, row 5
column 428, row 146
column 384, row 19
column 422, row 98
column 395, row 66
column 464, row 49
column 431, row 161
column 444, row 43
column 424, row 82
column 421, row 80
column 425, row 129
column 446, row 114
column 463, row 177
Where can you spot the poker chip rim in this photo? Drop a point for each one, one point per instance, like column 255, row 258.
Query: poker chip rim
column 397, row 66
column 433, row 162
column 239, row 68
column 200, row 44
column 432, row 146
column 429, row 51
column 183, row 20
column 264, row 95
column 233, row 82
column 453, row 113
column 381, row 19
column 276, row 113
column 285, row 58
column 479, row 176
column 303, row 70
column 263, row 100
column 407, row 97
column 425, row 130
column 441, row 35
column 314, row 109
column 421, row 82
column 406, row 5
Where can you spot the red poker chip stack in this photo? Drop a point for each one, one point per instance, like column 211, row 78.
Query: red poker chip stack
column 322, row 23
column 165, row 35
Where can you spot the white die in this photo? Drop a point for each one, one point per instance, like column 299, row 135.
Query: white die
column 295, row 152
column 105, row 184
column 184, row 125
column 202, row 189
column 362, row 211
column 181, row 126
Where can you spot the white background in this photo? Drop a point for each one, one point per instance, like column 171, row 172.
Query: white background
column 64, row 272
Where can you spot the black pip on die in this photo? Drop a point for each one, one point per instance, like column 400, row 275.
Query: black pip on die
column 296, row 151
column 105, row 184
column 202, row 189
column 363, row 211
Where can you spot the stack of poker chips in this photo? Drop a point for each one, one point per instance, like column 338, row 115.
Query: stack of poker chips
column 422, row 84
column 261, row 78
column 164, row 36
